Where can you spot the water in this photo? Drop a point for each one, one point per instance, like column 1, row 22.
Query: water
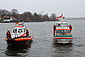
column 42, row 45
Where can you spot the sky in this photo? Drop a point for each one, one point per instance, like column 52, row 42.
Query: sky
column 69, row 8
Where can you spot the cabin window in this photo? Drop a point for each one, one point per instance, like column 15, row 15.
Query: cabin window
column 20, row 30
column 24, row 30
column 15, row 31
column 57, row 31
column 63, row 32
column 21, row 25
column 64, row 24
column 66, row 31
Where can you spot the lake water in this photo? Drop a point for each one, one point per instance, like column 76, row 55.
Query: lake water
column 42, row 45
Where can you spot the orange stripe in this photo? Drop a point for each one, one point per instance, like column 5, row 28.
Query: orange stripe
column 62, row 29
column 23, row 39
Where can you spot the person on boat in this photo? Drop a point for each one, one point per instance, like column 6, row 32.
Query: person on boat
column 27, row 32
column 8, row 34
column 54, row 27
column 70, row 28
column 59, row 24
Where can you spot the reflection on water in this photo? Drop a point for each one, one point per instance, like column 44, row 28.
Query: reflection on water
column 17, row 51
column 62, row 50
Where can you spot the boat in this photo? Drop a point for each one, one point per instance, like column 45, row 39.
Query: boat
column 19, row 36
column 62, row 32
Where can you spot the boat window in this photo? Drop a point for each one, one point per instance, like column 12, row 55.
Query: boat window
column 15, row 31
column 66, row 31
column 57, row 31
column 24, row 30
column 64, row 24
column 20, row 30
column 20, row 25
column 61, row 31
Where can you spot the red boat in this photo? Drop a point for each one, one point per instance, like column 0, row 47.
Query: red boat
column 18, row 36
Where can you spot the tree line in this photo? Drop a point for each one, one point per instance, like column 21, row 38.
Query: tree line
column 27, row 16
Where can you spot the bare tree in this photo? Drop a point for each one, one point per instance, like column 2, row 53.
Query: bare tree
column 14, row 11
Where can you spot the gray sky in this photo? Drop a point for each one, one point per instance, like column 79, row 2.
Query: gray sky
column 70, row 8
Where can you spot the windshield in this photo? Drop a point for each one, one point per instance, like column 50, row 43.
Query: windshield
column 15, row 31
column 20, row 31
column 64, row 24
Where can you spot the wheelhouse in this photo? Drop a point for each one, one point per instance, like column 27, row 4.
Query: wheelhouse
column 18, row 32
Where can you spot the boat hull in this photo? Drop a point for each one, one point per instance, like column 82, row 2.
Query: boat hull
column 63, row 40
column 23, row 41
